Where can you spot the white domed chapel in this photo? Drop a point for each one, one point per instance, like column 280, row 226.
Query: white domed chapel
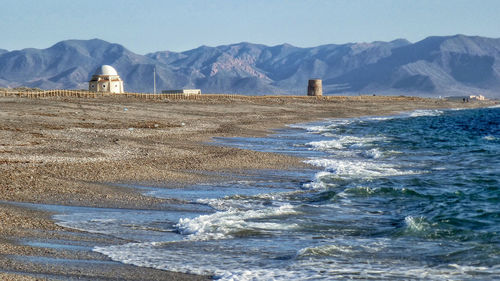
column 106, row 79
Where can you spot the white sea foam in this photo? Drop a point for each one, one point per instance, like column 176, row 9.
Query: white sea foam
column 417, row 224
column 317, row 129
column 379, row 118
column 318, row 183
column 310, row 128
column 226, row 224
column 103, row 220
column 489, row 138
column 358, row 190
column 374, row 153
column 343, row 142
column 358, row 168
column 426, row 112
column 328, row 126
column 245, row 202
column 326, row 145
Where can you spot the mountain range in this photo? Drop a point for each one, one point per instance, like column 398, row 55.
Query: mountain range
column 435, row 66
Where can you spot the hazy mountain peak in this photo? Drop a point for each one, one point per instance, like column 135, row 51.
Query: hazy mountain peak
column 400, row 42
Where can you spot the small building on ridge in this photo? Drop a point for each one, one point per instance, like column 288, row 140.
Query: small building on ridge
column 466, row 98
column 184, row 92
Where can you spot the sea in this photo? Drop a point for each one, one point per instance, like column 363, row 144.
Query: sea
column 410, row 196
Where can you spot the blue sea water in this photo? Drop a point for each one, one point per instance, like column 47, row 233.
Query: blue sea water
column 411, row 196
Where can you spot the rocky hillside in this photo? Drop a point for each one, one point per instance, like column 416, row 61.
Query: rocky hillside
column 435, row 66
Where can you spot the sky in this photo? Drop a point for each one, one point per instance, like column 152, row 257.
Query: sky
column 145, row 26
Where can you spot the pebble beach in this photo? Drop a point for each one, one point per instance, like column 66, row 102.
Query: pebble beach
column 82, row 152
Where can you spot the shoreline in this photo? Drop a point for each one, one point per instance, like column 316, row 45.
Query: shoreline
column 64, row 151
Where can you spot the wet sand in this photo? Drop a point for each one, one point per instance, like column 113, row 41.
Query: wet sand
column 65, row 151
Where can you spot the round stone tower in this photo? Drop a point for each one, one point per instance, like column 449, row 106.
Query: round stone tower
column 315, row 88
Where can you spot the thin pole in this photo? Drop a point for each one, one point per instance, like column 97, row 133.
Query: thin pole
column 154, row 80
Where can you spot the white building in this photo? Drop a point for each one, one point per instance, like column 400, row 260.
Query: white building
column 183, row 91
column 477, row 97
column 467, row 98
column 106, row 79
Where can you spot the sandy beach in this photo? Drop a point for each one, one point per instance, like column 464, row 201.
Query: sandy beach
column 74, row 151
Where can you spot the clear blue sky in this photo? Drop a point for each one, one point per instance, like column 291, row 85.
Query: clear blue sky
column 156, row 25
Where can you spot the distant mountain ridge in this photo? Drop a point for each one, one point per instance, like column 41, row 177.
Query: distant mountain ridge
column 435, row 66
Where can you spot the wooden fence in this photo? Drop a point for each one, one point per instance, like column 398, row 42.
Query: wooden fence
column 50, row 93
column 147, row 96
column 87, row 94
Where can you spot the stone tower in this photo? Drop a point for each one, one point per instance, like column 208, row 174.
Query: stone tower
column 315, row 88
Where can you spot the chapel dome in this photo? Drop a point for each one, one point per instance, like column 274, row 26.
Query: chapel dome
column 105, row 70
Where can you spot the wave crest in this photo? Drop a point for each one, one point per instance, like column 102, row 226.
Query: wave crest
column 234, row 223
